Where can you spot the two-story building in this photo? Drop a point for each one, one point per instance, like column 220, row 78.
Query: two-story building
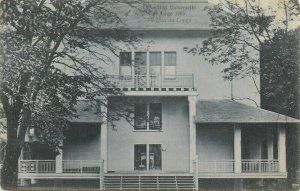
column 185, row 130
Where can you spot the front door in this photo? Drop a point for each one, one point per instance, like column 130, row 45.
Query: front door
column 147, row 157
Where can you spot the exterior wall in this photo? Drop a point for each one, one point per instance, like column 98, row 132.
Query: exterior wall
column 215, row 142
column 82, row 143
column 208, row 79
column 174, row 138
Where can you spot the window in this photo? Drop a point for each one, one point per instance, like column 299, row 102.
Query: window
column 154, row 116
column 147, row 116
column 125, row 65
column 140, row 157
column 147, row 157
column 170, row 64
column 155, row 157
column 155, row 63
column 140, row 116
column 140, row 63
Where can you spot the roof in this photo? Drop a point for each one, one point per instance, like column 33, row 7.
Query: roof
column 86, row 113
column 228, row 111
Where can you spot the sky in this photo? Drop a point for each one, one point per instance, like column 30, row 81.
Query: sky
column 265, row 4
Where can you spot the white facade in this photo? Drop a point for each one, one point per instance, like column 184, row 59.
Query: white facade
column 185, row 147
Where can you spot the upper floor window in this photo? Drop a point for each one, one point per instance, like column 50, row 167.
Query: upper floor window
column 154, row 60
column 147, row 116
column 155, row 63
column 125, row 64
column 140, row 63
column 170, row 64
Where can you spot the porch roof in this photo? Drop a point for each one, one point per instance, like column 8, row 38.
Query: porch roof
column 86, row 113
column 228, row 111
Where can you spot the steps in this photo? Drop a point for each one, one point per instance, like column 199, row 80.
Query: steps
column 148, row 182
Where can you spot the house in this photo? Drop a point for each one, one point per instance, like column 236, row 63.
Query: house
column 185, row 130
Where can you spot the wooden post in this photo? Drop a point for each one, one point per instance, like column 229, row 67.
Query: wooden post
column 101, row 175
column 196, row 173
column 237, row 148
column 192, row 113
column 103, row 140
column 281, row 149
column 148, row 69
column 59, row 161
column 270, row 144
column 132, row 69
column 162, row 69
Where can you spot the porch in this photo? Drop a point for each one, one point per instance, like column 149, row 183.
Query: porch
column 234, row 140
column 92, row 169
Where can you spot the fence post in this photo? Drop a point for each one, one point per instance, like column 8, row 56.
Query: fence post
column 196, row 172
column 101, row 174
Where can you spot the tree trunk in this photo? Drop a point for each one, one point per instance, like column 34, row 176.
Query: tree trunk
column 9, row 171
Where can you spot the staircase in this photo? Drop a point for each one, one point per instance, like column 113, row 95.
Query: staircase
column 148, row 182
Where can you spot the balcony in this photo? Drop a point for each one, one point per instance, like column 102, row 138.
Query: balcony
column 152, row 81
column 250, row 168
column 64, row 169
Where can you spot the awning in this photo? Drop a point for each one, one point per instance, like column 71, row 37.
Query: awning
column 86, row 113
column 228, row 111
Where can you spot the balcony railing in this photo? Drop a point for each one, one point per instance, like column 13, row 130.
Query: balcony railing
column 214, row 166
column 68, row 166
column 248, row 166
column 152, row 81
column 259, row 166
column 81, row 166
column 37, row 166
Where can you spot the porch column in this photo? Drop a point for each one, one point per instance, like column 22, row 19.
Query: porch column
column 192, row 113
column 162, row 69
column 281, row 149
column 59, row 160
column 148, row 69
column 133, row 69
column 103, row 151
column 237, row 148
column 270, row 143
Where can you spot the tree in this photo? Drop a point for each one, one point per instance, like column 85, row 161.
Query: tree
column 48, row 61
column 238, row 30
column 280, row 89
column 279, row 70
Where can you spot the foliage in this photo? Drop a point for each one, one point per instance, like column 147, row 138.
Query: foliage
column 238, row 31
column 280, row 73
column 49, row 59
